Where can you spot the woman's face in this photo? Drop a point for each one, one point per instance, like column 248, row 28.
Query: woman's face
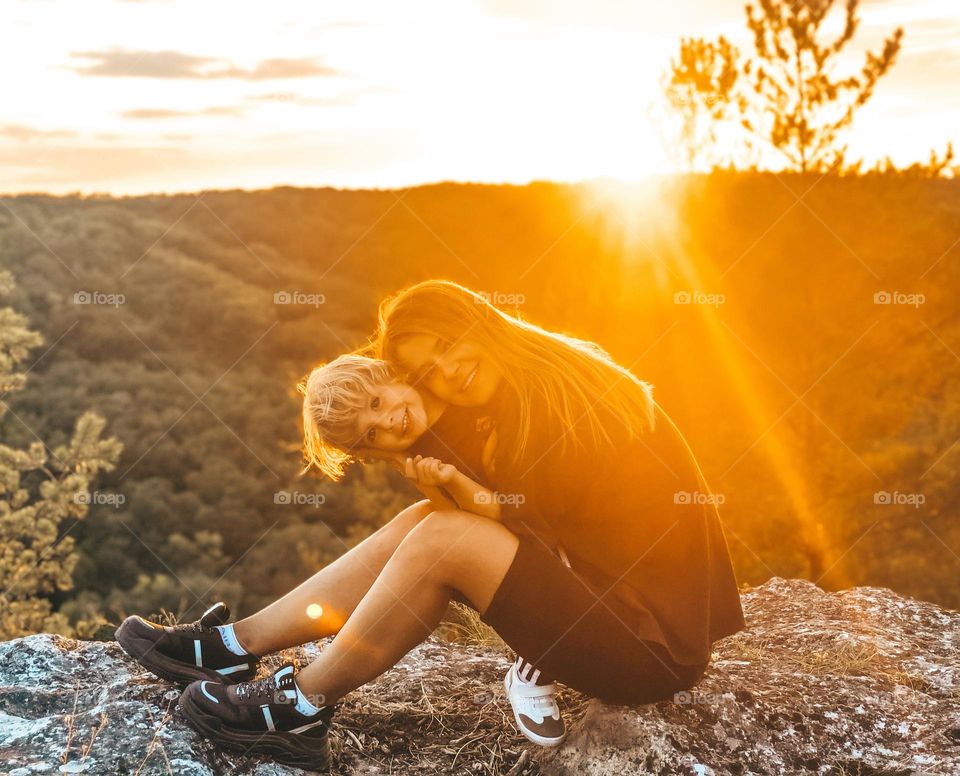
column 393, row 419
column 462, row 374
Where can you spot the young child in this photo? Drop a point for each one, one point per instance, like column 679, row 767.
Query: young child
column 355, row 408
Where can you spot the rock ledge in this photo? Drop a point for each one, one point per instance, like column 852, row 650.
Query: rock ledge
column 858, row 682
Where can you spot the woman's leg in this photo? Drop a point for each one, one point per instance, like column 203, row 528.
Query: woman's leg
column 448, row 552
column 332, row 593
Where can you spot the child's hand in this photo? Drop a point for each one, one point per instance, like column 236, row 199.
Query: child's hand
column 429, row 471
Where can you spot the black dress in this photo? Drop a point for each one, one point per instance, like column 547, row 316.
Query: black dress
column 636, row 519
column 458, row 437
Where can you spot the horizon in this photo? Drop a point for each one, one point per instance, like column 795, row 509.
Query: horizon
column 368, row 96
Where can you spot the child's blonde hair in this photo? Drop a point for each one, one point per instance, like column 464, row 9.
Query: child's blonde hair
column 333, row 393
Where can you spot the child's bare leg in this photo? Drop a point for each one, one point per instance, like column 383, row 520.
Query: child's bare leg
column 321, row 605
column 436, row 560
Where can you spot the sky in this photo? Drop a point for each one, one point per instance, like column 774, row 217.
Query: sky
column 137, row 96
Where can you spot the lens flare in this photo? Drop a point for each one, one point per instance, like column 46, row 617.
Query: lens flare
column 314, row 611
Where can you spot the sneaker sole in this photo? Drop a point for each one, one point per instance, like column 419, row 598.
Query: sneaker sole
column 143, row 650
column 286, row 748
column 529, row 734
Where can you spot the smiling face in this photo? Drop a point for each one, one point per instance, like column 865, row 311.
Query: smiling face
column 462, row 373
column 392, row 419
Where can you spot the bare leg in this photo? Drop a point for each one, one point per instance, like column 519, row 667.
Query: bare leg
column 332, row 593
column 447, row 552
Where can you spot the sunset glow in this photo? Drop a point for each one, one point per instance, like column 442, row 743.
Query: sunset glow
column 131, row 97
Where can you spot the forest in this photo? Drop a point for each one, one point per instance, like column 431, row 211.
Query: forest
column 801, row 329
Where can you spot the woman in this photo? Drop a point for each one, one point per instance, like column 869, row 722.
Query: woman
column 584, row 460
column 592, row 465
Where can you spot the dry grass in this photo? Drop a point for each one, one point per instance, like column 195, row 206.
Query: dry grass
column 457, row 730
column 447, row 720
column 465, row 728
column 462, row 625
column 845, row 659
column 69, row 721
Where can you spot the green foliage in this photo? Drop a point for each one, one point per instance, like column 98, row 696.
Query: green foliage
column 200, row 519
column 41, row 490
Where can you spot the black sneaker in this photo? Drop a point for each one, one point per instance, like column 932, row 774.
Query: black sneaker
column 185, row 653
column 260, row 718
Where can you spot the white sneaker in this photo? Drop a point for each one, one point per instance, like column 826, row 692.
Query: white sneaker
column 534, row 707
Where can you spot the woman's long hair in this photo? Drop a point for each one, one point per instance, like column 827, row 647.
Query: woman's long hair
column 576, row 380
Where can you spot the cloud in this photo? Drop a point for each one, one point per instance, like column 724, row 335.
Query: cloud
column 336, row 100
column 76, row 166
column 285, row 68
column 297, row 99
column 175, row 64
column 165, row 113
column 25, row 134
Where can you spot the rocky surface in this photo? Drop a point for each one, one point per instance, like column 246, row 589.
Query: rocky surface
column 857, row 682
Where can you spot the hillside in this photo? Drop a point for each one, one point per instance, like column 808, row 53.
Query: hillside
column 804, row 399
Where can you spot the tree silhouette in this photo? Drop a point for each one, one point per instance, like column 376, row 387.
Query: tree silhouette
column 700, row 88
column 789, row 95
column 801, row 106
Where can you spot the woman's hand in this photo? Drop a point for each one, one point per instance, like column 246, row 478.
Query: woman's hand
column 428, row 471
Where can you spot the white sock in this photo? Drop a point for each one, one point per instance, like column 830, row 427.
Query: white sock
column 303, row 705
column 230, row 640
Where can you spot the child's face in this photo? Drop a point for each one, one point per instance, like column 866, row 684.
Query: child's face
column 393, row 419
